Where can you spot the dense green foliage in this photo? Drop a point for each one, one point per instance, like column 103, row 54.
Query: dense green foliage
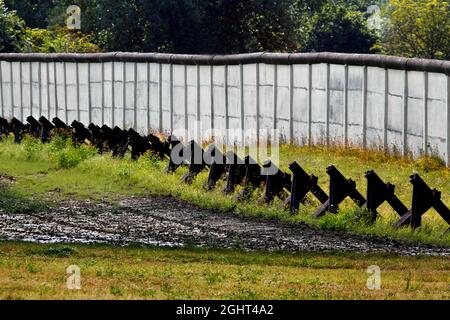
column 12, row 30
column 338, row 28
column 58, row 40
column 417, row 28
column 412, row 28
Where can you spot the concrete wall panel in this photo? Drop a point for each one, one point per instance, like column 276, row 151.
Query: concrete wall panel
column 154, row 96
column 250, row 96
column 266, row 96
column 300, row 104
column 283, row 101
column 318, row 103
column 375, row 107
column 220, row 121
column 7, row 107
column 205, row 97
column 336, row 109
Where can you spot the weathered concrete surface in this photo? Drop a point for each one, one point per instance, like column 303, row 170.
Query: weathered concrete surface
column 169, row 222
column 371, row 105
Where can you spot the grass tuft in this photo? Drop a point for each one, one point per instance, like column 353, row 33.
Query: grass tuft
column 13, row 201
column 60, row 251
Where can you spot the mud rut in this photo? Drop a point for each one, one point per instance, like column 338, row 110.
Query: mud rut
column 168, row 222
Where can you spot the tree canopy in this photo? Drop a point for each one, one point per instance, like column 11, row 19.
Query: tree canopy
column 418, row 28
column 338, row 28
column 12, row 30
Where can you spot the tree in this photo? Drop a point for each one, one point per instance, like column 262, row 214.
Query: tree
column 236, row 26
column 12, row 30
column 269, row 27
column 140, row 25
column 213, row 26
column 34, row 13
column 337, row 28
column 417, row 28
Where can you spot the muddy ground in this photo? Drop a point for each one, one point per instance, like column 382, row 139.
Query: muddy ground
column 170, row 222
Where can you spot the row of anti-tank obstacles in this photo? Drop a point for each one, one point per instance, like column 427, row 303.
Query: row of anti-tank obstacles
column 237, row 171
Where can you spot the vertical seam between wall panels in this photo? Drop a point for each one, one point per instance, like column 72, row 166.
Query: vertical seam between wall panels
column 241, row 75
column 56, row 89
column 198, row 93
column 135, row 97
column 89, row 93
column 425, row 113
column 309, row 104
column 211, row 74
column 160, row 96
column 225, row 85
column 257, row 102
column 113, row 89
column 65, row 92
column 291, row 104
column 124, row 94
column 171, row 98
column 21, row 90
column 31, row 87
column 448, row 120
column 77, row 77
column 364, row 103
column 103, row 93
column 186, row 116
column 346, row 105
column 40, row 89
column 405, row 115
column 148, row 98
column 47, row 72
column 327, row 105
column 11, row 88
column 275, row 95
column 1, row 90
column 386, row 109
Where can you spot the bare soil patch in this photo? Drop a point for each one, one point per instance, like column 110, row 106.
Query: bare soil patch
column 165, row 221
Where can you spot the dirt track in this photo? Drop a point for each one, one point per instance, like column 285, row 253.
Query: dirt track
column 169, row 222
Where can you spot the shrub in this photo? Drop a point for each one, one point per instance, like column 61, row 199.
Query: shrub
column 429, row 164
column 71, row 156
column 59, row 40
column 32, row 147
column 61, row 252
column 59, row 142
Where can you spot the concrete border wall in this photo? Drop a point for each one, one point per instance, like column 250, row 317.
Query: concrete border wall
column 379, row 102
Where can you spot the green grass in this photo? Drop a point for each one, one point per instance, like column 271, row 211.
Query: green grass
column 37, row 271
column 58, row 171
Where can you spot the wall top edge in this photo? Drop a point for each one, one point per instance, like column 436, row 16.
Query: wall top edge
column 382, row 61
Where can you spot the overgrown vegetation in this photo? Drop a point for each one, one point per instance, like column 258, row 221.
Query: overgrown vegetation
column 12, row 30
column 59, row 170
column 58, row 40
column 32, row 271
column 412, row 28
column 417, row 28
